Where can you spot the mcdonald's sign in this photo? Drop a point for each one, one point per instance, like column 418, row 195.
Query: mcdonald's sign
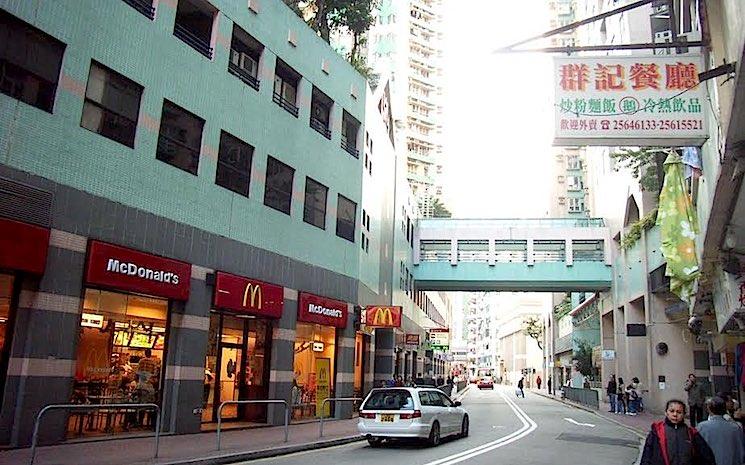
column 383, row 317
column 248, row 295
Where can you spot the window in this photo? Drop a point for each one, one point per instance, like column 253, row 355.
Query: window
column 346, row 218
column 193, row 25
column 574, row 163
column 286, row 81
column 574, row 183
column 180, row 138
column 349, row 129
column 315, row 203
column 576, row 205
column 245, row 53
column 143, row 6
column 278, row 189
column 234, row 164
column 112, row 103
column 320, row 112
column 30, row 62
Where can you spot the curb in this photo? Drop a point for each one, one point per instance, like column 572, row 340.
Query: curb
column 641, row 434
column 264, row 453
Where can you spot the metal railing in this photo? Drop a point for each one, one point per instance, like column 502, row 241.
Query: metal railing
column 434, row 255
column 252, row 401
column 37, row 421
column 582, row 396
column 350, row 148
column 286, row 104
column 321, row 127
column 194, row 41
column 143, row 6
column 332, row 399
column 243, row 75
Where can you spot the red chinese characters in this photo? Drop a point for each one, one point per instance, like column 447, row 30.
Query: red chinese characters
column 577, row 77
column 609, row 77
column 574, row 77
column 645, row 76
column 681, row 76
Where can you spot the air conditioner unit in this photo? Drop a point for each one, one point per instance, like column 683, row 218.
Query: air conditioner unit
column 562, row 200
column 660, row 38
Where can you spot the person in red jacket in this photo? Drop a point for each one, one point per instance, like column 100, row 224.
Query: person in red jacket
column 673, row 442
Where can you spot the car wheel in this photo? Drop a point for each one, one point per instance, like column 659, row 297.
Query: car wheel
column 375, row 442
column 434, row 434
column 464, row 427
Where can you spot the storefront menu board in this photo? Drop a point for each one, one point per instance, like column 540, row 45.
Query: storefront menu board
column 248, row 295
column 322, row 311
column 125, row 269
column 323, row 386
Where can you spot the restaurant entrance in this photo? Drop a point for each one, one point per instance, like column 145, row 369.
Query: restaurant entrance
column 237, row 366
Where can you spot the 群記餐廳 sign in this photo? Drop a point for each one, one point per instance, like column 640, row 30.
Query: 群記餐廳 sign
column 629, row 100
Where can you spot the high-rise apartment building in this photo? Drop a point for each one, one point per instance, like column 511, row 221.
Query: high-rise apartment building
column 406, row 43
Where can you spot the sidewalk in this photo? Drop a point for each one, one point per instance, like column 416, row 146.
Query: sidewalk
column 639, row 424
column 195, row 449
column 192, row 449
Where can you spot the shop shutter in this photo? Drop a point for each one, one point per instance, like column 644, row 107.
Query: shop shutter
column 25, row 203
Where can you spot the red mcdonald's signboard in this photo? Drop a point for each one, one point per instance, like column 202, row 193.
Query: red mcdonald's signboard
column 383, row 317
column 248, row 295
column 322, row 310
column 131, row 270
column 23, row 246
column 412, row 339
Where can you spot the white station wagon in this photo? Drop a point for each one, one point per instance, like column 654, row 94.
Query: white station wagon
column 411, row 412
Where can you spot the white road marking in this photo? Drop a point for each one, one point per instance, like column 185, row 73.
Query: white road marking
column 528, row 427
column 578, row 423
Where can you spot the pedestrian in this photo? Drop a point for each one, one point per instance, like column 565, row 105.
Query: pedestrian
column 611, row 390
column 538, row 382
column 520, row 385
column 632, row 398
column 621, row 397
column 548, row 385
column 440, row 381
column 724, row 437
column 672, row 442
column 696, row 396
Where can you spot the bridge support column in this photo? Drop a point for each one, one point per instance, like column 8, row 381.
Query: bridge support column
column 454, row 252
column 530, row 258
column 569, row 251
column 492, row 252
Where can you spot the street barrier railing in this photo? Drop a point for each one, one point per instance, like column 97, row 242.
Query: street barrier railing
column 333, row 399
column 252, row 401
column 582, row 396
column 124, row 406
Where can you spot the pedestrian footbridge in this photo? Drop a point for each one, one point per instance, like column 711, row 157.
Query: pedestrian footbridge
column 542, row 255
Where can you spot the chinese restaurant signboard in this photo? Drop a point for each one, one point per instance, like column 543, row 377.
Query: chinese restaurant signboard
column 629, row 100
column 248, row 295
column 383, row 317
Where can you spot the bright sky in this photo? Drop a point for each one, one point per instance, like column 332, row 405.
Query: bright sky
column 498, row 110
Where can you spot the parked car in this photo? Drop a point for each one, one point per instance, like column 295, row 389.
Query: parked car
column 411, row 412
column 486, row 382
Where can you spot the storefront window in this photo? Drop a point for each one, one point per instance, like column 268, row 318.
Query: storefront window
column 236, row 367
column 120, row 357
column 315, row 351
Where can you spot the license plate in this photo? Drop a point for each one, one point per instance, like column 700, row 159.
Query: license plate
column 387, row 418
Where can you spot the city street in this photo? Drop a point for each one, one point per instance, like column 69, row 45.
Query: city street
column 504, row 430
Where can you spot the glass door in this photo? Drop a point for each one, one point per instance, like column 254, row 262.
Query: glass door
column 231, row 367
column 257, row 368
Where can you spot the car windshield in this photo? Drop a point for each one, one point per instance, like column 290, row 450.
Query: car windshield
column 389, row 399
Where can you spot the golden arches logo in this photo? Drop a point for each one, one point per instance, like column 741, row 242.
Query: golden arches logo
column 254, row 290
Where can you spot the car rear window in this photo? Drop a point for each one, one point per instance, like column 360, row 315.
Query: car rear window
column 389, row 399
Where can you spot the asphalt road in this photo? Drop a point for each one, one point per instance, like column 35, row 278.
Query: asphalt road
column 504, row 430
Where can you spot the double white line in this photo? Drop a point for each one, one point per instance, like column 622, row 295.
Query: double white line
column 528, row 427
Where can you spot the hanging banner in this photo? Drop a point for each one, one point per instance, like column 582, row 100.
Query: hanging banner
column 630, row 100
column 323, row 386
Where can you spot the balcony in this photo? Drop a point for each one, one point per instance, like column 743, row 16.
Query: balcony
column 143, row 6
column 192, row 40
column 320, row 127
column 243, row 75
column 286, row 104
column 350, row 148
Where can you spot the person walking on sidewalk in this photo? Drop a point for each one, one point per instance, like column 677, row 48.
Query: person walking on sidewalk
column 672, row 442
column 724, row 437
column 621, row 397
column 548, row 385
column 538, row 382
column 696, row 396
column 520, row 385
column 632, row 398
column 612, row 391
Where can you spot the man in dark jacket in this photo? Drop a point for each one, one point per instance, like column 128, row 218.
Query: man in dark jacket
column 520, row 386
column 672, row 442
column 612, row 391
